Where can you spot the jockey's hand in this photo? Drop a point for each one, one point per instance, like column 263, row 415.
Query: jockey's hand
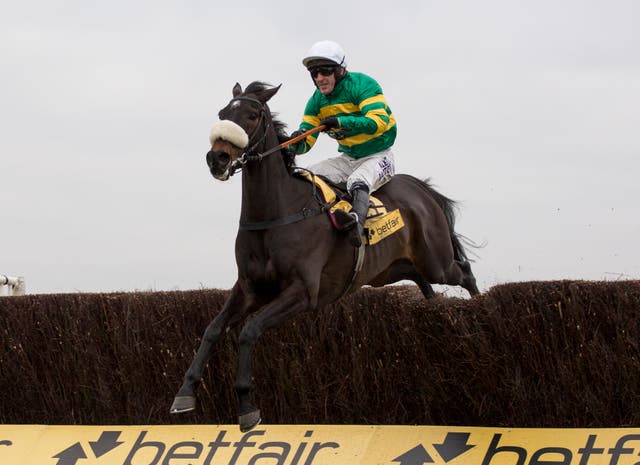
column 333, row 128
column 329, row 123
column 296, row 145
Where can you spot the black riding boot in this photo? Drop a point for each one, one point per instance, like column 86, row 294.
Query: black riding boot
column 360, row 207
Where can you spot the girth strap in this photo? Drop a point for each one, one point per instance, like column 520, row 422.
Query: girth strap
column 303, row 215
column 358, row 262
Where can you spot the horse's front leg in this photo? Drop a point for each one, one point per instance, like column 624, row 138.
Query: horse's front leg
column 234, row 310
column 291, row 301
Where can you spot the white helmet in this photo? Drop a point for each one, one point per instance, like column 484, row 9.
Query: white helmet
column 324, row 52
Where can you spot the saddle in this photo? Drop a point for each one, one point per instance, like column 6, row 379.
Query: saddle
column 379, row 223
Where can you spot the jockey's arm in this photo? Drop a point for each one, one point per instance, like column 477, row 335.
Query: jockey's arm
column 374, row 117
column 308, row 122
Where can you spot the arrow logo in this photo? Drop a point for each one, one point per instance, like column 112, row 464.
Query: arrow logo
column 71, row 455
column 416, row 456
column 108, row 441
column 454, row 444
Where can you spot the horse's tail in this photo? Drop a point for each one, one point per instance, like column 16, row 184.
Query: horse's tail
column 449, row 207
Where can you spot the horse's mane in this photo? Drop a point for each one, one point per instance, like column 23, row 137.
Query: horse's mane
column 279, row 126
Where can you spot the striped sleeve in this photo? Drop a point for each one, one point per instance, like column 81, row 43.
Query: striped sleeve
column 310, row 120
column 375, row 113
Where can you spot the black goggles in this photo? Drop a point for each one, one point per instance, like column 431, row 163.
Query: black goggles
column 324, row 70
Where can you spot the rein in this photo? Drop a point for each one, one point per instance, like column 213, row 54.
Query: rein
column 293, row 140
column 250, row 154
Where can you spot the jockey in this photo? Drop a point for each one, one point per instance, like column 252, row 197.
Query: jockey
column 354, row 111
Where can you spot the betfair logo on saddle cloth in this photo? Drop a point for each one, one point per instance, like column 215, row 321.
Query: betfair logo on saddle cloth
column 379, row 228
column 379, row 224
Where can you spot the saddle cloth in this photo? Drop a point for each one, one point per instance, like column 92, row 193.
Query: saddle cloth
column 379, row 223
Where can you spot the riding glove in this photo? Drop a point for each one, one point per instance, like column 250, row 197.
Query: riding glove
column 333, row 128
column 296, row 145
column 329, row 123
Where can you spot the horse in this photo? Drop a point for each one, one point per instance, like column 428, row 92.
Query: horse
column 290, row 257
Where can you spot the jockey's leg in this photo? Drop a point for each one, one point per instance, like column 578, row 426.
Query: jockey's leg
column 359, row 208
column 336, row 169
column 374, row 170
column 369, row 173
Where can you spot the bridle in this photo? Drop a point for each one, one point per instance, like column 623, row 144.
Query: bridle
column 250, row 153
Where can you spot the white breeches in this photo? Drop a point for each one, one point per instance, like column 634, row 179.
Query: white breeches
column 373, row 170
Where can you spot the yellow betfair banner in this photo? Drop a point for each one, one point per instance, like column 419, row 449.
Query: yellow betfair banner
column 315, row 445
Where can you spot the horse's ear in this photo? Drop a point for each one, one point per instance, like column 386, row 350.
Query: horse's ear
column 237, row 89
column 266, row 94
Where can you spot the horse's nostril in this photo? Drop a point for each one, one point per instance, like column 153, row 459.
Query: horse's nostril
column 217, row 158
column 224, row 158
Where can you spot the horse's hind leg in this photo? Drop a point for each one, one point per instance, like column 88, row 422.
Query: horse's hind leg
column 459, row 274
column 423, row 284
column 401, row 270
column 406, row 270
column 234, row 310
column 468, row 279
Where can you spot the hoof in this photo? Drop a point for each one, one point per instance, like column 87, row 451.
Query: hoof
column 183, row 404
column 250, row 420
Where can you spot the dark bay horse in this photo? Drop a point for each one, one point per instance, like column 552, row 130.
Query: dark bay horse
column 289, row 256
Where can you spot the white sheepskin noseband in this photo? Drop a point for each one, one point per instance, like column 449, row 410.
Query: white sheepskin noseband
column 229, row 131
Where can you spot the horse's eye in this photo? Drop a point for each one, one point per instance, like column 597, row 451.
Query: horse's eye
column 253, row 116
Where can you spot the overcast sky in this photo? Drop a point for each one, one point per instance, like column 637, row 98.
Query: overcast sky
column 527, row 112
